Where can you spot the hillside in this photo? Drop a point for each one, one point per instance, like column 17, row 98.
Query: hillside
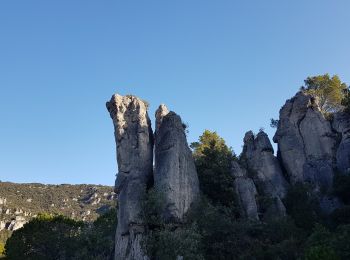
column 21, row 202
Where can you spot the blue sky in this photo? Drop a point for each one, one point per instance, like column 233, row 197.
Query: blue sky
column 222, row 65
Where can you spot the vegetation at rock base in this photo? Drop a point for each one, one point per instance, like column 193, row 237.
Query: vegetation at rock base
column 58, row 237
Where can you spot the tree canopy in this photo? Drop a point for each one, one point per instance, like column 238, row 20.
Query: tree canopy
column 330, row 91
column 213, row 160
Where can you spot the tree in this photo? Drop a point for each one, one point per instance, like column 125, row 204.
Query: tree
column 45, row 237
column 97, row 241
column 330, row 91
column 213, row 160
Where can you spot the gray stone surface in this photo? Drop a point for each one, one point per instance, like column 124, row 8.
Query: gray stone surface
column 341, row 124
column 175, row 173
column 134, row 141
column 306, row 142
column 246, row 192
column 265, row 170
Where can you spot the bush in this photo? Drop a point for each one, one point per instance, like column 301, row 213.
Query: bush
column 97, row 241
column 45, row 237
column 2, row 248
column 213, row 160
column 301, row 206
column 172, row 241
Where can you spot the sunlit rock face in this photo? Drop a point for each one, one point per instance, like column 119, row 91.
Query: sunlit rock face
column 134, row 141
column 266, row 171
column 246, row 192
column 175, row 175
column 306, row 142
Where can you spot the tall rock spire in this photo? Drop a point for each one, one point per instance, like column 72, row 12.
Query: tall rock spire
column 175, row 173
column 306, row 142
column 265, row 170
column 134, row 141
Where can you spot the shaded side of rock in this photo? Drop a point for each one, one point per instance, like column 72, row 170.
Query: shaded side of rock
column 175, row 173
column 134, row 141
column 246, row 192
column 266, row 171
column 341, row 124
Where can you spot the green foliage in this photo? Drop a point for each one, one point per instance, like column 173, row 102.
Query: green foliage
column 324, row 244
column 274, row 123
column 329, row 90
column 341, row 187
column 152, row 207
column 341, row 216
column 224, row 237
column 45, row 237
column 321, row 253
column 167, row 240
column 58, row 237
column 213, row 162
column 301, row 206
column 2, row 248
column 346, row 100
column 97, row 241
column 173, row 241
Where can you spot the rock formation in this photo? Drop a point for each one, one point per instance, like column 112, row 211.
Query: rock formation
column 246, row 192
column 134, row 141
column 175, row 173
column 265, row 170
column 341, row 124
column 306, row 142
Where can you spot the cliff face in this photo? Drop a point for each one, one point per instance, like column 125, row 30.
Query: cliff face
column 306, row 142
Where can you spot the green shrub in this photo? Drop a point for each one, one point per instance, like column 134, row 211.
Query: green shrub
column 213, row 160
column 45, row 237
column 301, row 206
column 2, row 248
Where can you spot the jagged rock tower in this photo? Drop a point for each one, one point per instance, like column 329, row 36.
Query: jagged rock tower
column 134, row 140
column 306, row 142
column 175, row 173
column 265, row 170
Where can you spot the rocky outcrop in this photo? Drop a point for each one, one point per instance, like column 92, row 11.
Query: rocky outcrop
column 341, row 124
column 246, row 192
column 175, row 173
column 306, row 142
column 265, row 170
column 134, row 140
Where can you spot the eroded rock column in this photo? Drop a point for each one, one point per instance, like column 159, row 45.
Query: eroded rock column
column 306, row 142
column 265, row 171
column 246, row 192
column 134, row 141
column 175, row 173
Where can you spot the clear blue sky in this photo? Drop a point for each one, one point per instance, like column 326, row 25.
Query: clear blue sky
column 222, row 65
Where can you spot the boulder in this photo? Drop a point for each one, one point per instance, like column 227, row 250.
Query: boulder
column 134, row 141
column 175, row 175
